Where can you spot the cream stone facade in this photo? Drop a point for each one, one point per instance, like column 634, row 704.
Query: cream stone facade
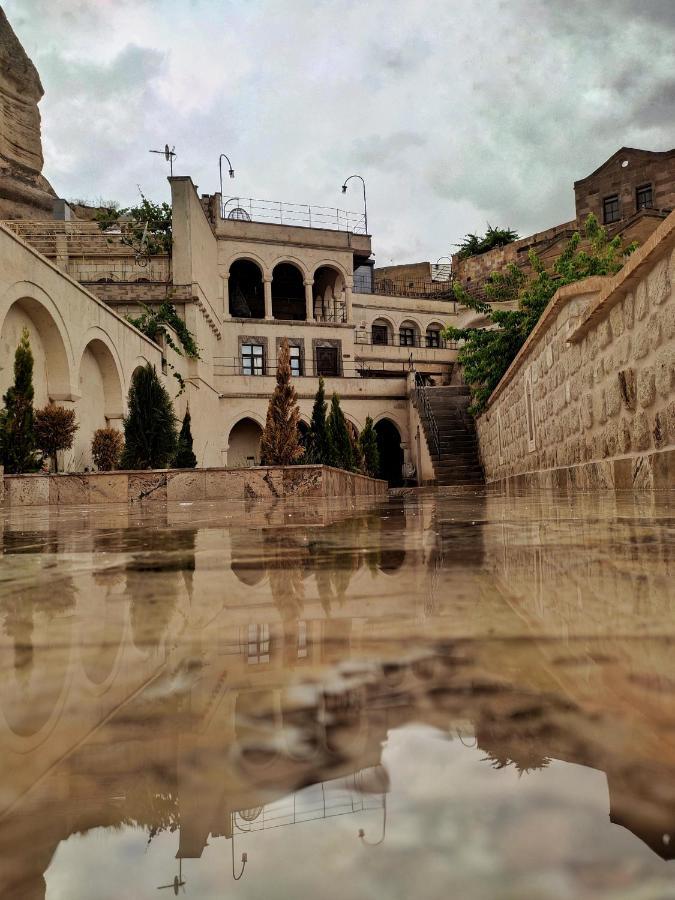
column 241, row 286
column 589, row 402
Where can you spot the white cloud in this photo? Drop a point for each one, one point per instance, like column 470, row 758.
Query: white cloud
column 455, row 114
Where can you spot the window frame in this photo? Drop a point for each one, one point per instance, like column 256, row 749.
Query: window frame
column 644, row 188
column 409, row 339
column 251, row 358
column 383, row 332
column 611, row 199
column 433, row 342
column 295, row 353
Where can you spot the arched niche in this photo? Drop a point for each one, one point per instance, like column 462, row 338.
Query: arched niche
column 390, row 451
column 244, row 443
column 51, row 371
column 101, row 398
column 246, row 290
column 288, row 293
column 328, row 292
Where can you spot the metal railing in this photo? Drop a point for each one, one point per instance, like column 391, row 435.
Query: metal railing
column 419, row 288
column 231, row 365
column 395, row 340
column 424, row 408
column 278, row 212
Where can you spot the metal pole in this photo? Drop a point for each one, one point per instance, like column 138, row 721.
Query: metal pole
column 365, row 201
column 220, row 170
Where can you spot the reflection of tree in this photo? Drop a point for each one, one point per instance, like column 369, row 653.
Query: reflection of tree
column 507, row 743
column 156, row 578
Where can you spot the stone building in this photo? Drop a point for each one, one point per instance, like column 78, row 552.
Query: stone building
column 243, row 275
column 631, row 193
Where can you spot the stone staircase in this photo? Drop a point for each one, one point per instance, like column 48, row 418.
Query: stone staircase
column 458, row 461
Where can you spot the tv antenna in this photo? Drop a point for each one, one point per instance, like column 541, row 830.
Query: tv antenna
column 168, row 154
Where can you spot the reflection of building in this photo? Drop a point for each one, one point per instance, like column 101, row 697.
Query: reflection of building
column 160, row 693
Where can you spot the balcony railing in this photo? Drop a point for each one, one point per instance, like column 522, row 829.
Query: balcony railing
column 395, row 340
column 418, row 288
column 277, row 212
column 231, row 365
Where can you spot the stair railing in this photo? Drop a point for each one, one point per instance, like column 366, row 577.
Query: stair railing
column 424, row 407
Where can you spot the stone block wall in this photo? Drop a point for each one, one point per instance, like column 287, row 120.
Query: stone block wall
column 589, row 402
column 187, row 485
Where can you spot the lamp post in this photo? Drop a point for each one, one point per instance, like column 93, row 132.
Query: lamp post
column 365, row 204
column 220, row 171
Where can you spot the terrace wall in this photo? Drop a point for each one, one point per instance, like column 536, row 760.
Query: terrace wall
column 588, row 403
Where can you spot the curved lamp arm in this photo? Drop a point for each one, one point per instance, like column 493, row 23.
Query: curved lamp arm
column 376, row 843
column 220, row 171
column 365, row 203
column 244, row 860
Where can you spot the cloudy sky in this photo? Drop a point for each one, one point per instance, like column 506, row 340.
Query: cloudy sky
column 456, row 112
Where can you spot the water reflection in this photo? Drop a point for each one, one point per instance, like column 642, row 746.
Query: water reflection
column 207, row 675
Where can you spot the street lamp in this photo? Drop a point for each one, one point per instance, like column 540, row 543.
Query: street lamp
column 365, row 205
column 220, row 170
column 362, row 833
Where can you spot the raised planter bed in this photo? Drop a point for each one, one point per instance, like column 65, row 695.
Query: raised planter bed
column 175, row 485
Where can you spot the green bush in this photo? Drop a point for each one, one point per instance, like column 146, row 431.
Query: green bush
column 150, row 436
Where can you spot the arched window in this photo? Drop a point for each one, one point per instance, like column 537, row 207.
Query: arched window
column 380, row 332
column 408, row 335
column 433, row 336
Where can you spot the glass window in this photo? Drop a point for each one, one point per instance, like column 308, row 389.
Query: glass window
column 407, row 337
column 644, row 197
column 296, row 361
column 611, row 211
column 252, row 359
column 258, row 644
column 380, row 335
column 433, row 338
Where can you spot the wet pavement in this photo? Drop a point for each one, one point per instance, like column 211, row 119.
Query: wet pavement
column 431, row 696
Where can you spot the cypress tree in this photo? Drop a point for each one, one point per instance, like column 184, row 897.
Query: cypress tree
column 319, row 446
column 185, row 458
column 17, row 422
column 280, row 442
column 339, row 436
column 368, row 445
column 150, row 427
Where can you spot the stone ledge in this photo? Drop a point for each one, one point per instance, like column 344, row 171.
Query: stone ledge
column 187, row 485
column 649, row 472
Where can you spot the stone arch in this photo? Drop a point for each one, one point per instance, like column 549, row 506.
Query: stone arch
column 293, row 261
column 434, row 334
column 382, row 331
column 328, row 292
column 50, row 343
column 244, row 442
column 101, row 393
column 389, row 445
column 288, row 291
column 406, row 338
column 246, row 289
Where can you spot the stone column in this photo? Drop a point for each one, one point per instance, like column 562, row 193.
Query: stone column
column 267, row 285
column 225, row 288
column 348, row 302
column 309, row 301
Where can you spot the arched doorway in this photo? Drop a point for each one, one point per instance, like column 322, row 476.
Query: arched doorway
column 391, row 452
column 288, row 293
column 328, row 293
column 100, row 399
column 246, row 290
column 244, row 444
column 51, row 375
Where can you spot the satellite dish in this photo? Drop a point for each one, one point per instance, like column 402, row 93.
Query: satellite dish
column 239, row 214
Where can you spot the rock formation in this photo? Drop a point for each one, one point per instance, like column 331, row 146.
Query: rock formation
column 24, row 192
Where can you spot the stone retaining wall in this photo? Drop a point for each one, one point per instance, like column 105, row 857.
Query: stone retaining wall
column 590, row 395
column 188, row 485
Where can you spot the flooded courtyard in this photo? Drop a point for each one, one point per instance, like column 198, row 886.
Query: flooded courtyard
column 426, row 696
